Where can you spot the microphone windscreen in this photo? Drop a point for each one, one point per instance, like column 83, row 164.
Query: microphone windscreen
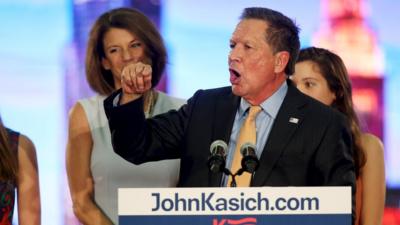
column 219, row 147
column 248, row 149
column 250, row 161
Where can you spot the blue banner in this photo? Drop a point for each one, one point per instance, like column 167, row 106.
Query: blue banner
column 327, row 219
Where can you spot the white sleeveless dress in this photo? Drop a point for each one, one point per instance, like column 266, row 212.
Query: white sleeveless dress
column 110, row 171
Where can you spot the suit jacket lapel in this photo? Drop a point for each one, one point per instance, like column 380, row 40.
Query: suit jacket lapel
column 225, row 111
column 288, row 119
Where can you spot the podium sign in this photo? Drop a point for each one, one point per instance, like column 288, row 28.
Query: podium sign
column 234, row 206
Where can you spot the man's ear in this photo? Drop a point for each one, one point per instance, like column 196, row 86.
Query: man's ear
column 281, row 60
column 105, row 63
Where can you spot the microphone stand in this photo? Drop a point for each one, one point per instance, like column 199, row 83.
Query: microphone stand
column 229, row 173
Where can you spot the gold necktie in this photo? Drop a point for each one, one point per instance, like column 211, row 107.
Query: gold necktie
column 247, row 134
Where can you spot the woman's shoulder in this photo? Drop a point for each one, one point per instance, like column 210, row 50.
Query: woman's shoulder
column 368, row 139
column 78, row 118
column 86, row 107
column 93, row 101
column 77, row 111
column 26, row 145
column 372, row 145
column 169, row 102
column 21, row 143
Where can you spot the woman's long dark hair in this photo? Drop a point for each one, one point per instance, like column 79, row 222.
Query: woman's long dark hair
column 334, row 71
column 131, row 20
column 8, row 160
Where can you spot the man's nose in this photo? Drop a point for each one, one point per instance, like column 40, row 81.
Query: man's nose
column 235, row 54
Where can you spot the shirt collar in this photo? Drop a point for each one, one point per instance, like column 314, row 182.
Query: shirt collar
column 270, row 105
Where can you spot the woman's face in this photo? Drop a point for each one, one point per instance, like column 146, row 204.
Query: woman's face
column 309, row 80
column 121, row 48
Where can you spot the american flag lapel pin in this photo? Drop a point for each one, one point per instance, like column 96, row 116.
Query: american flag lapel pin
column 293, row 120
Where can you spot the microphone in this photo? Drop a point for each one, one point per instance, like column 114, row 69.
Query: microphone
column 250, row 161
column 216, row 161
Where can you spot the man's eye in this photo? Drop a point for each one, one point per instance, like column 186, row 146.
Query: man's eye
column 309, row 84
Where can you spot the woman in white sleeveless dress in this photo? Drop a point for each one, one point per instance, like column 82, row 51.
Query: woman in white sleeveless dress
column 121, row 41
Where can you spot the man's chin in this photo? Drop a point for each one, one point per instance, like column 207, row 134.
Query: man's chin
column 236, row 90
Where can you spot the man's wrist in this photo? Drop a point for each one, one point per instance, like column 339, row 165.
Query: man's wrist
column 125, row 98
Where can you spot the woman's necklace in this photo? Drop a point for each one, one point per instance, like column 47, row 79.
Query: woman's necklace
column 150, row 100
